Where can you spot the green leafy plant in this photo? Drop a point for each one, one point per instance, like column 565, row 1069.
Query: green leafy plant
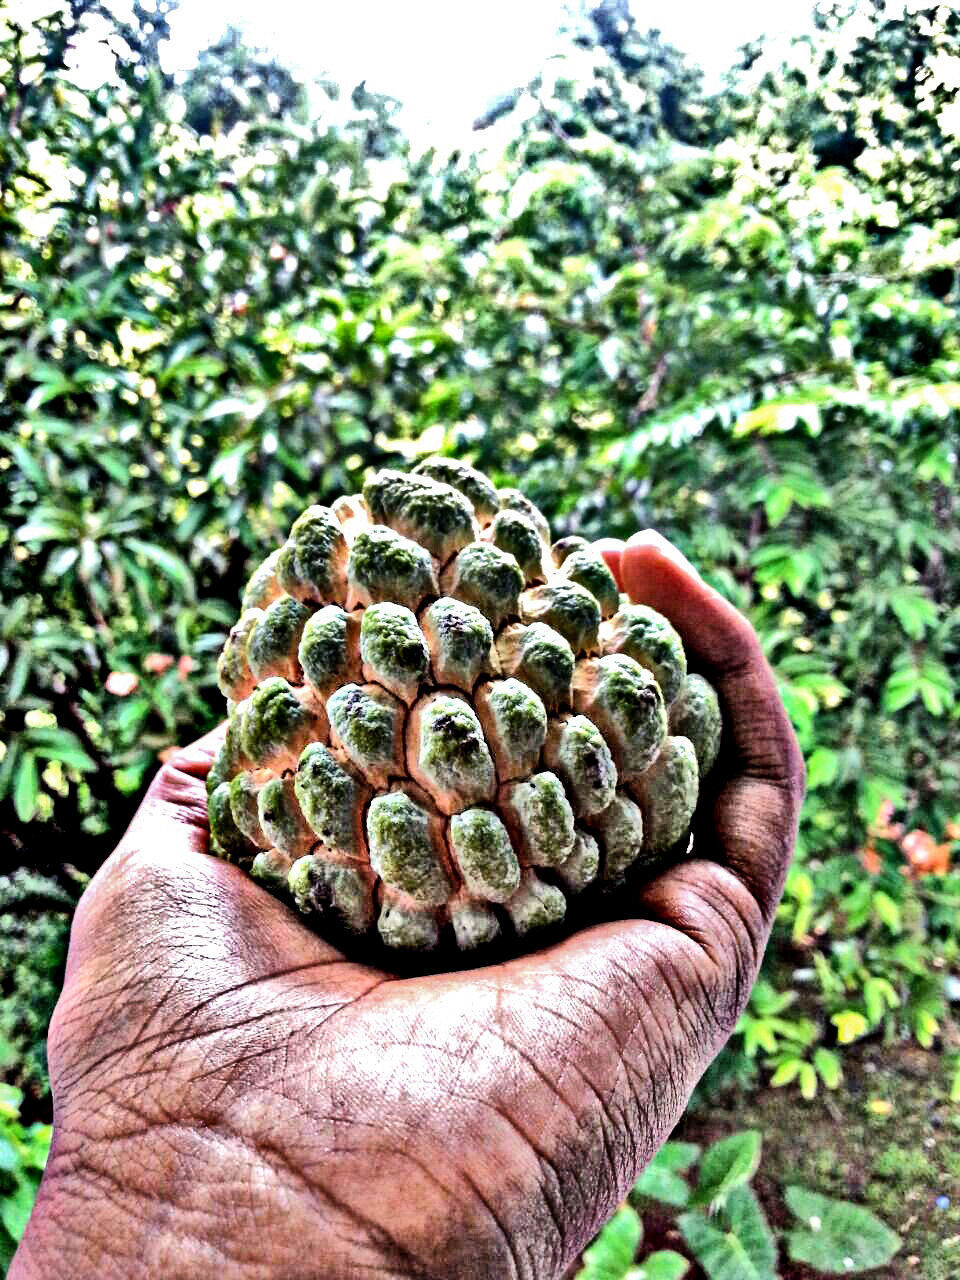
column 23, row 1155
column 724, row 1226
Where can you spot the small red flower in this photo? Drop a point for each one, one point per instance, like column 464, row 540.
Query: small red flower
column 924, row 856
column 185, row 665
column 870, row 858
column 157, row 663
column 883, row 827
column 121, row 683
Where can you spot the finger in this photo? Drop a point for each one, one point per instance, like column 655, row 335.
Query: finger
column 611, row 549
column 197, row 757
column 751, row 805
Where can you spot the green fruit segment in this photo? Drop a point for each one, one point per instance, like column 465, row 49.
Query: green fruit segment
column 625, row 703
column 581, row 867
column 541, row 658
column 482, row 850
column 589, row 570
column 448, row 753
column 619, row 830
column 514, row 721
column 281, row 817
column 695, row 714
column 234, row 676
column 577, row 752
column 539, row 815
column 366, row 722
column 569, row 609
column 244, row 794
column 487, row 577
column 433, row 514
column 320, row 885
column 384, row 565
column 331, row 798
column 407, row 930
column 263, row 586
column 402, row 850
column 393, row 649
column 471, row 483
column 271, row 868
column 312, row 563
column 474, row 925
column 647, row 637
column 667, row 794
column 535, row 905
column 329, row 649
column 274, row 639
column 516, row 534
column 514, row 500
column 564, row 547
column 226, row 838
column 276, row 724
column 460, row 640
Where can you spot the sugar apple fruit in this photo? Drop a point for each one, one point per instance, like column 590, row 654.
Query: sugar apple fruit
column 444, row 729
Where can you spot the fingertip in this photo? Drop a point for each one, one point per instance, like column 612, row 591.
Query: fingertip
column 612, row 551
column 648, row 545
column 197, row 758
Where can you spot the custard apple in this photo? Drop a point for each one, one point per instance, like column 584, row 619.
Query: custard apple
column 442, row 729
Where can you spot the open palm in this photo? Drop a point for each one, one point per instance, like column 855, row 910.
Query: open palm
column 234, row 1097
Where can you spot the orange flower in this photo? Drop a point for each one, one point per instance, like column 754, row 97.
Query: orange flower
column 121, row 683
column 924, row 856
column 952, row 831
column 185, row 665
column 870, row 858
column 157, row 663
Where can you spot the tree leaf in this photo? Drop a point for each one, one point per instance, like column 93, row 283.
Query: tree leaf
column 665, row 1264
column 837, row 1236
column 661, row 1179
column 727, row 1164
column 168, row 563
column 611, row 1255
column 59, row 744
column 15, row 1208
column 26, row 787
column 722, row 1255
column 749, row 1224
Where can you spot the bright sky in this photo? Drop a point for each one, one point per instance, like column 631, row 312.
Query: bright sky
column 447, row 59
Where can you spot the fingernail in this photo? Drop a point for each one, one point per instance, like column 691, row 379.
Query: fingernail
column 657, row 542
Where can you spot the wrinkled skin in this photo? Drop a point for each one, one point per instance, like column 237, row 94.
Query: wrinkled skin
column 233, row 1098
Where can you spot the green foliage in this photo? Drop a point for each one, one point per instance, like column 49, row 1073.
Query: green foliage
column 836, row 1235
column 724, row 1226
column 662, row 1180
column 611, row 1255
column 728, row 1164
column 34, row 929
column 737, row 1245
column 23, row 1154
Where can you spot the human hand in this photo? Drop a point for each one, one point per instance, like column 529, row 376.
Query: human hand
column 233, row 1097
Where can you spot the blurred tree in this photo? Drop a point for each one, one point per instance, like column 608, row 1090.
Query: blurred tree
column 232, row 83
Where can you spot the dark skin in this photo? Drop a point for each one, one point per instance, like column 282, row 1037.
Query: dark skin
column 233, row 1098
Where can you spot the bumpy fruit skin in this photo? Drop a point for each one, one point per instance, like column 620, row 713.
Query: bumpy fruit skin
column 444, row 730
